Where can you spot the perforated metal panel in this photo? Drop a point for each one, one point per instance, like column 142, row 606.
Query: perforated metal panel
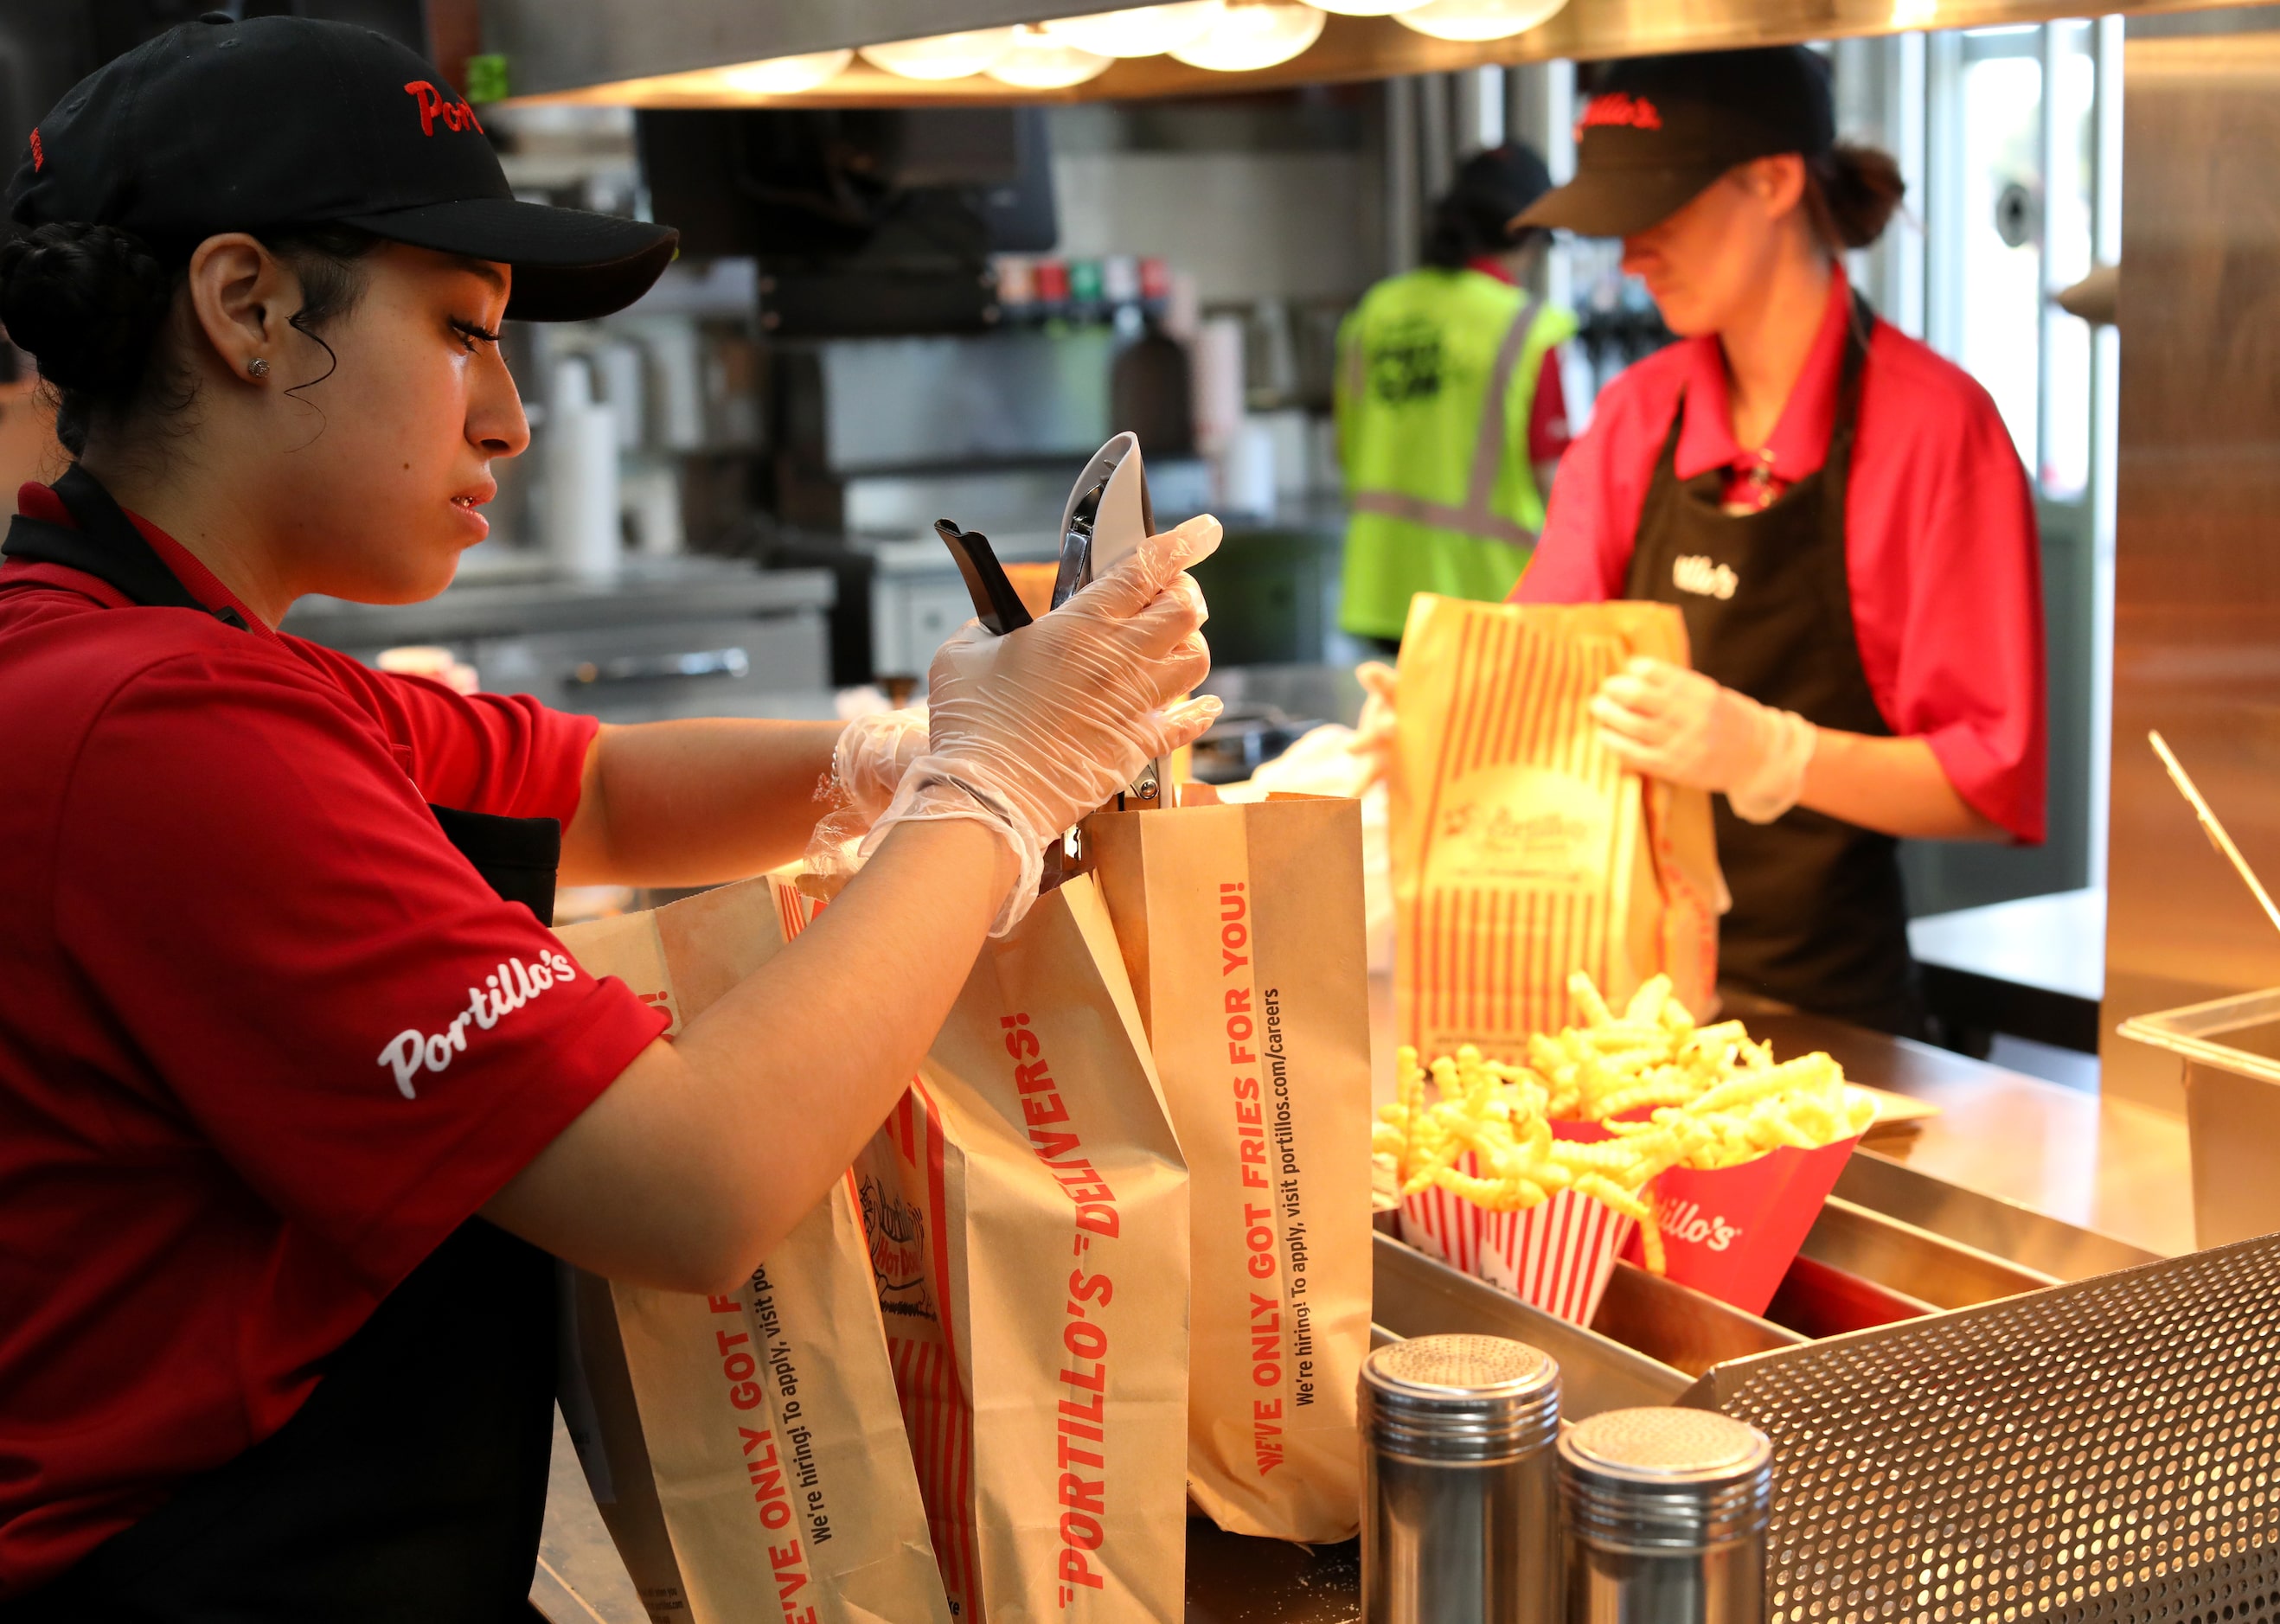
column 2106, row 1450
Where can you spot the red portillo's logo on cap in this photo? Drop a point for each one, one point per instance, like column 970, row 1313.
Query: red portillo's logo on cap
column 39, row 154
column 1634, row 112
column 435, row 107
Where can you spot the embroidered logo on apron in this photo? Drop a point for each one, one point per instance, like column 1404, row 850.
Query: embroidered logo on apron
column 1693, row 572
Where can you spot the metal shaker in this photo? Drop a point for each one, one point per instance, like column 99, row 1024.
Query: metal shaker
column 1666, row 1513
column 1460, row 1501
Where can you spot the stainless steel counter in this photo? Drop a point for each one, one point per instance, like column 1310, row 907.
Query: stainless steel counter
column 2034, row 967
column 2113, row 1166
column 522, row 602
column 671, row 637
column 1970, row 1188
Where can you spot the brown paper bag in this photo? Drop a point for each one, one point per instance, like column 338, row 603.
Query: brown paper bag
column 766, row 1416
column 1028, row 1210
column 1242, row 927
column 1522, row 850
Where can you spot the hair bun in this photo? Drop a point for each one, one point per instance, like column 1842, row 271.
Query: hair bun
column 85, row 300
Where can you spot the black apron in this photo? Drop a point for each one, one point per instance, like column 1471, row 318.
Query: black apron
column 1819, row 920
column 412, row 1484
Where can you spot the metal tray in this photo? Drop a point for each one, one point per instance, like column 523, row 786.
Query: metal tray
column 1417, row 1296
column 2232, row 1110
column 1858, row 1268
column 1991, row 1225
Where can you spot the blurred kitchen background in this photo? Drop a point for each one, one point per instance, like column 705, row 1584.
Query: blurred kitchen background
column 885, row 315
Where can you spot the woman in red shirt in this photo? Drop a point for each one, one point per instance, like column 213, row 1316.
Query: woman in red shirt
column 299, row 1100
column 1838, row 512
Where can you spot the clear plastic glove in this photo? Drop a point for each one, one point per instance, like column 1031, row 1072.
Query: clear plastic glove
column 1030, row 732
column 1678, row 725
column 1373, row 735
column 872, row 756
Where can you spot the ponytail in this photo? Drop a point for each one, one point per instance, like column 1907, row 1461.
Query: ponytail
column 87, row 301
column 1851, row 195
column 90, row 303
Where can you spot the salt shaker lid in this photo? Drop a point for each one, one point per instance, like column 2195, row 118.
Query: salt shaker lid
column 1665, row 1479
column 1660, row 1445
column 1459, row 1397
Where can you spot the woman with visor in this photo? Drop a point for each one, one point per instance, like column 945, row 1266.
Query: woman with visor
column 1838, row 512
column 299, row 1100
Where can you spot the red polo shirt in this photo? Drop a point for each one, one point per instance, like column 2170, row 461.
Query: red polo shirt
column 226, row 918
column 1940, row 541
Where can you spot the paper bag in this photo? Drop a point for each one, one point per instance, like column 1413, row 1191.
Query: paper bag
column 768, row 1415
column 1242, row 927
column 1522, row 849
column 1027, row 1211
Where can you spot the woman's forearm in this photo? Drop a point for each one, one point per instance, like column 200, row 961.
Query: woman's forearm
column 695, row 803
column 1893, row 786
column 707, row 1149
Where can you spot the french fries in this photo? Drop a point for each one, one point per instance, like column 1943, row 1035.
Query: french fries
column 1497, row 1112
column 1713, row 1098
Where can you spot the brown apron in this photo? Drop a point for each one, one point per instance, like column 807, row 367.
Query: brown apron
column 1819, row 920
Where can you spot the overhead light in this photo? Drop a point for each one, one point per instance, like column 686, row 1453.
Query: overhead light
column 1478, row 20
column 1252, row 35
column 1369, row 8
column 942, row 55
column 785, row 75
column 1040, row 62
column 1139, row 30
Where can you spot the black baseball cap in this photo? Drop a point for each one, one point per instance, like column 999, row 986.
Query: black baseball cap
column 1658, row 130
column 274, row 122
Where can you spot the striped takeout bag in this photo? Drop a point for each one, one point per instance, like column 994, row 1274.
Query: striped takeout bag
column 1522, row 849
column 1026, row 1205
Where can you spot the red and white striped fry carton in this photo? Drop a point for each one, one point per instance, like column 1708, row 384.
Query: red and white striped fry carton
column 1557, row 1257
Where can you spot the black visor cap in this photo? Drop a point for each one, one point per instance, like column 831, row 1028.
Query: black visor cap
column 1656, row 131
column 277, row 122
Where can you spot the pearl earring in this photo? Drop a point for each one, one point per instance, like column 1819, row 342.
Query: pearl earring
column 257, row 367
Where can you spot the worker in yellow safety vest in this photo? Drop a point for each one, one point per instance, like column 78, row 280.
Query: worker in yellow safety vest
column 1450, row 415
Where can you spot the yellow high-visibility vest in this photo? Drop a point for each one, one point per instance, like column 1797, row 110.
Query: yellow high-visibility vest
column 1437, row 376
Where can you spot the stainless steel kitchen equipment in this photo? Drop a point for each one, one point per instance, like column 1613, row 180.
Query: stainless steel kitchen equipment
column 1666, row 1518
column 1459, row 1516
column 680, row 637
column 2232, row 1107
column 1109, row 506
column 2198, row 612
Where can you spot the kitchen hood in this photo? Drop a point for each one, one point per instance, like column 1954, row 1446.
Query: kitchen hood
column 676, row 53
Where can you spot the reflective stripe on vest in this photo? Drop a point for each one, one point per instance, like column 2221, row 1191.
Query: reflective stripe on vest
column 1477, row 516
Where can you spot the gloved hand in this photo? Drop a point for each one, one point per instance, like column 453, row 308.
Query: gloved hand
column 1374, row 732
column 1678, row 725
column 872, row 756
column 1030, row 732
